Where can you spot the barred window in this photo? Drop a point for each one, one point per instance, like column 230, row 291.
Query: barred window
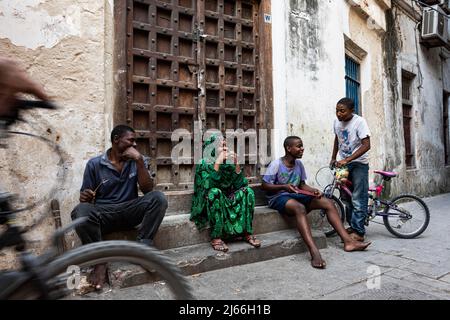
column 407, row 108
column 352, row 82
column 446, row 129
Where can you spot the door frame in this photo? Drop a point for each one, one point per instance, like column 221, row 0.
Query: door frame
column 121, row 67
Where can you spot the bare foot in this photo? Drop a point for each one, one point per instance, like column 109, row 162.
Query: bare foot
column 317, row 261
column 356, row 246
column 97, row 278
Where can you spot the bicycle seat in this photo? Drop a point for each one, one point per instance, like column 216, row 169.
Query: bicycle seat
column 387, row 174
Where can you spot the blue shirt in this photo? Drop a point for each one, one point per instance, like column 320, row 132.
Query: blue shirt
column 278, row 173
column 113, row 186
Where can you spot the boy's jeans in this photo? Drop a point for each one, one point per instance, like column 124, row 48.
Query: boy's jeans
column 357, row 208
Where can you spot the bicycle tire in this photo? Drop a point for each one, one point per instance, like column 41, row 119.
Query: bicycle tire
column 324, row 225
column 148, row 258
column 394, row 230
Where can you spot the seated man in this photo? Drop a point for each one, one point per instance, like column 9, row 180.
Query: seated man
column 109, row 196
column 288, row 193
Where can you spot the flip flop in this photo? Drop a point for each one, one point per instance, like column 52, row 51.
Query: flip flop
column 251, row 239
column 219, row 245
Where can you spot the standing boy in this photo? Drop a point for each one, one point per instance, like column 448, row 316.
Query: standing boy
column 352, row 140
column 285, row 183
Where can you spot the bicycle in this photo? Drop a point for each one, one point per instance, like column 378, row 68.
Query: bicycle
column 54, row 275
column 398, row 213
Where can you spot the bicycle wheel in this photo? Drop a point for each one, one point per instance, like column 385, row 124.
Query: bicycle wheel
column 324, row 176
column 89, row 255
column 324, row 224
column 406, row 217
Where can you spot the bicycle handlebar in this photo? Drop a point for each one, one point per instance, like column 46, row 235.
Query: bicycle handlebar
column 32, row 104
column 22, row 104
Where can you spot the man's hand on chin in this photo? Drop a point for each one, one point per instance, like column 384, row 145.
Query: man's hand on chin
column 132, row 154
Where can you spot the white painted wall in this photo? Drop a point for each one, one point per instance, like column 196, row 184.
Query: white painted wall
column 312, row 40
column 310, row 44
column 279, row 27
column 28, row 23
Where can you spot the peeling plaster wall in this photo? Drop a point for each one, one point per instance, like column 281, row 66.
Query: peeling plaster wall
column 430, row 176
column 67, row 46
column 311, row 45
column 314, row 41
column 314, row 76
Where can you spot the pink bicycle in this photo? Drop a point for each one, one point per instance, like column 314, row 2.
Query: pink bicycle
column 405, row 216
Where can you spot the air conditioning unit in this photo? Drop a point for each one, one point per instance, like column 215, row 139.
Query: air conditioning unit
column 445, row 5
column 434, row 27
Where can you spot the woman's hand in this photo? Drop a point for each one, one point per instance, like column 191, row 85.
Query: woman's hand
column 232, row 156
column 222, row 155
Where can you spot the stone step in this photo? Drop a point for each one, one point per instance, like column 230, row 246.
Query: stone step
column 178, row 231
column 181, row 201
column 200, row 258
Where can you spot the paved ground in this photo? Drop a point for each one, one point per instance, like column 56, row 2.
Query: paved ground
column 410, row 269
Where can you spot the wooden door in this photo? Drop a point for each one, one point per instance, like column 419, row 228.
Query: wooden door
column 191, row 60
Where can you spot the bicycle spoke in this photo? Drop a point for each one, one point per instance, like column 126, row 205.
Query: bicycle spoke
column 406, row 217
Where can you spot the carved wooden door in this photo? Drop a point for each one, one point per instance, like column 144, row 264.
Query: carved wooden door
column 191, row 60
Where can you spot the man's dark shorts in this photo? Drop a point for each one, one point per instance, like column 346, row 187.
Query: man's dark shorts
column 279, row 203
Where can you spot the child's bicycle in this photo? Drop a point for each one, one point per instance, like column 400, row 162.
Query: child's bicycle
column 405, row 216
column 55, row 275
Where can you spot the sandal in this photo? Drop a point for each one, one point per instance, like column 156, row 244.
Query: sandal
column 219, row 245
column 252, row 240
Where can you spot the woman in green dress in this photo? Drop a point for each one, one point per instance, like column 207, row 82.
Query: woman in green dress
column 222, row 198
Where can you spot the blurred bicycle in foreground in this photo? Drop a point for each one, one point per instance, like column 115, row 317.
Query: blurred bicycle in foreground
column 55, row 274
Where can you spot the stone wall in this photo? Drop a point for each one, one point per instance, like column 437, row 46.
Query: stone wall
column 310, row 41
column 66, row 46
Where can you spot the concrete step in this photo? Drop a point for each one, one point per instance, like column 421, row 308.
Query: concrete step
column 181, row 201
column 178, row 231
column 200, row 258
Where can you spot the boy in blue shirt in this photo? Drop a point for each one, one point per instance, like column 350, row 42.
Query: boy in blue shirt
column 287, row 192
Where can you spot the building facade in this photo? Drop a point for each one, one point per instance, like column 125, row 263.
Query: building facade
column 276, row 65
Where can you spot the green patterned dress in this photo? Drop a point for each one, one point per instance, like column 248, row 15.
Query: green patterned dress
column 223, row 200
